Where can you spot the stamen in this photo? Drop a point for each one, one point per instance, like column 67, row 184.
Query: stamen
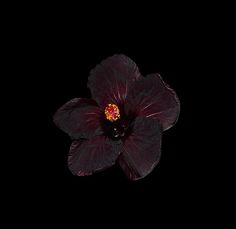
column 112, row 112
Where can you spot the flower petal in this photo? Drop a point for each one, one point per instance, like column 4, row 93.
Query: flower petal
column 142, row 148
column 151, row 97
column 93, row 155
column 109, row 82
column 80, row 118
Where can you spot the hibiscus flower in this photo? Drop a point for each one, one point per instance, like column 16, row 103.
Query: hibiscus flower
column 123, row 123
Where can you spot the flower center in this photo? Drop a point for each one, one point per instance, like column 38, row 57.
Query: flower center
column 112, row 112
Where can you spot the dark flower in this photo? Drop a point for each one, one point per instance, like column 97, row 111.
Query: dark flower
column 123, row 123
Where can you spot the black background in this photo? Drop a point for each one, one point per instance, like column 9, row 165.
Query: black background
column 68, row 60
column 56, row 50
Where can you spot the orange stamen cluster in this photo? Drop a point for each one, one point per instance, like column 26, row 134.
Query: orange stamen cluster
column 112, row 112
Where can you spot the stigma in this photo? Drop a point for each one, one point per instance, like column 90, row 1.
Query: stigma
column 112, row 112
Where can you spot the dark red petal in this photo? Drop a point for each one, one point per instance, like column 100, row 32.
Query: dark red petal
column 109, row 82
column 80, row 118
column 151, row 97
column 142, row 149
column 93, row 155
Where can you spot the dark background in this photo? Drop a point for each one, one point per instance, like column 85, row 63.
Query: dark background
column 55, row 51
column 68, row 58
